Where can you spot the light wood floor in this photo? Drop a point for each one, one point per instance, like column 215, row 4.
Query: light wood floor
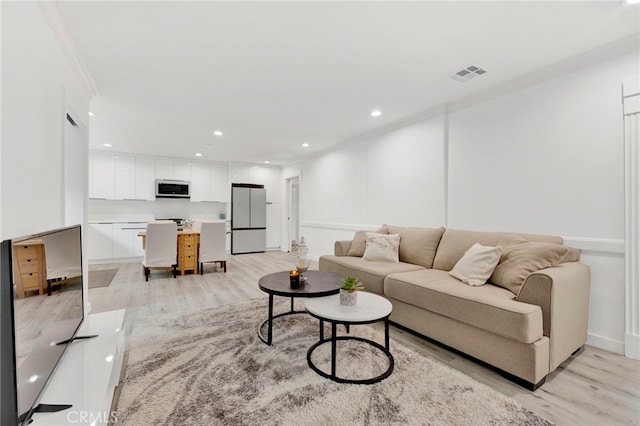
column 595, row 387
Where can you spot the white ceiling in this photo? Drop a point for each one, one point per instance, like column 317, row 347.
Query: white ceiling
column 272, row 75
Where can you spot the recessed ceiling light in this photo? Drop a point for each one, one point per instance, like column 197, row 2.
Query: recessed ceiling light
column 633, row 1
column 305, row 145
column 376, row 113
column 91, row 114
column 198, row 154
column 108, row 145
column 217, row 133
column 266, row 161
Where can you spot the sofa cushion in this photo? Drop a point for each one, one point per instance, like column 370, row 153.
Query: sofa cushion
column 487, row 307
column 477, row 264
column 573, row 255
column 418, row 245
column 455, row 243
column 370, row 273
column 381, row 247
column 521, row 257
column 359, row 242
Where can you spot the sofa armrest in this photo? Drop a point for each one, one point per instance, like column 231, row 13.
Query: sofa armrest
column 341, row 248
column 562, row 292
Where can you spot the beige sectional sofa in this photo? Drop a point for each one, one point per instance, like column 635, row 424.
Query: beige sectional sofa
column 526, row 331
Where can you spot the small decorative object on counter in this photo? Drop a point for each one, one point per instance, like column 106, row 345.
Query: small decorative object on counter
column 294, row 279
column 349, row 291
column 303, row 261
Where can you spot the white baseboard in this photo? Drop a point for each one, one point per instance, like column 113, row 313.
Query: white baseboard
column 632, row 346
column 605, row 343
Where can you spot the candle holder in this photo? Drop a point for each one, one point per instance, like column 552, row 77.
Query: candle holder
column 294, row 279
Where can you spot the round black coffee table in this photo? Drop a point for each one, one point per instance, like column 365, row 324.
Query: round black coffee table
column 318, row 284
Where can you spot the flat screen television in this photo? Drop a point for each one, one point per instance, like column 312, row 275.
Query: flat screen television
column 41, row 310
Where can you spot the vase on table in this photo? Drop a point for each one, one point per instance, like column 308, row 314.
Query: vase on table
column 348, row 298
column 302, row 265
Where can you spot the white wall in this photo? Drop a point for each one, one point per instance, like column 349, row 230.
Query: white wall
column 544, row 159
column 550, row 159
column 38, row 86
column 397, row 178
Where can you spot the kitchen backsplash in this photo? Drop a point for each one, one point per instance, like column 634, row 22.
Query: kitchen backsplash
column 142, row 211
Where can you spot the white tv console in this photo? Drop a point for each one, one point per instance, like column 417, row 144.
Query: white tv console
column 87, row 374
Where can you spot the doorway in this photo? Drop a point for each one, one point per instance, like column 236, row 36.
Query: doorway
column 293, row 213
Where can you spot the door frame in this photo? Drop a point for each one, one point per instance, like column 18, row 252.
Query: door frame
column 292, row 184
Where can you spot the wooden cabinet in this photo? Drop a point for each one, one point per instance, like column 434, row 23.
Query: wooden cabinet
column 187, row 252
column 29, row 267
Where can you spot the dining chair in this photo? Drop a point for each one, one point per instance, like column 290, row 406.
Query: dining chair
column 161, row 247
column 213, row 243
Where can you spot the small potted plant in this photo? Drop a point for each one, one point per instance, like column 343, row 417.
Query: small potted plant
column 349, row 291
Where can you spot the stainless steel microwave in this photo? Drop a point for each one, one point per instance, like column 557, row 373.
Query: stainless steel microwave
column 173, row 188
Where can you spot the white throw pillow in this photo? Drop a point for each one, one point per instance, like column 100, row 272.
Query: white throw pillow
column 382, row 247
column 477, row 264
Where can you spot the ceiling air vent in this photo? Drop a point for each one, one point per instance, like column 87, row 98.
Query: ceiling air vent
column 467, row 73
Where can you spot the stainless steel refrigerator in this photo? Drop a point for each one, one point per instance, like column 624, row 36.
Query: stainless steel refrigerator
column 248, row 218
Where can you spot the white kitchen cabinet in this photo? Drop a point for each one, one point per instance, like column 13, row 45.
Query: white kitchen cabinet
column 209, row 182
column 125, row 177
column 271, row 181
column 219, row 182
column 181, row 170
column 145, row 178
column 104, row 175
column 99, row 242
column 126, row 243
column 168, row 168
column 239, row 173
column 270, row 177
column 121, row 176
column 200, row 182
column 164, row 168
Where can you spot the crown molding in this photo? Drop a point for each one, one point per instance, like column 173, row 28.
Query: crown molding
column 609, row 51
column 53, row 15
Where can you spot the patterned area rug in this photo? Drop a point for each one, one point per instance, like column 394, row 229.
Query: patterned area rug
column 207, row 367
column 101, row 278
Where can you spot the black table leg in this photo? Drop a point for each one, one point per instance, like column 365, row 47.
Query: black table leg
column 333, row 349
column 291, row 310
column 270, row 332
column 386, row 333
column 321, row 330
